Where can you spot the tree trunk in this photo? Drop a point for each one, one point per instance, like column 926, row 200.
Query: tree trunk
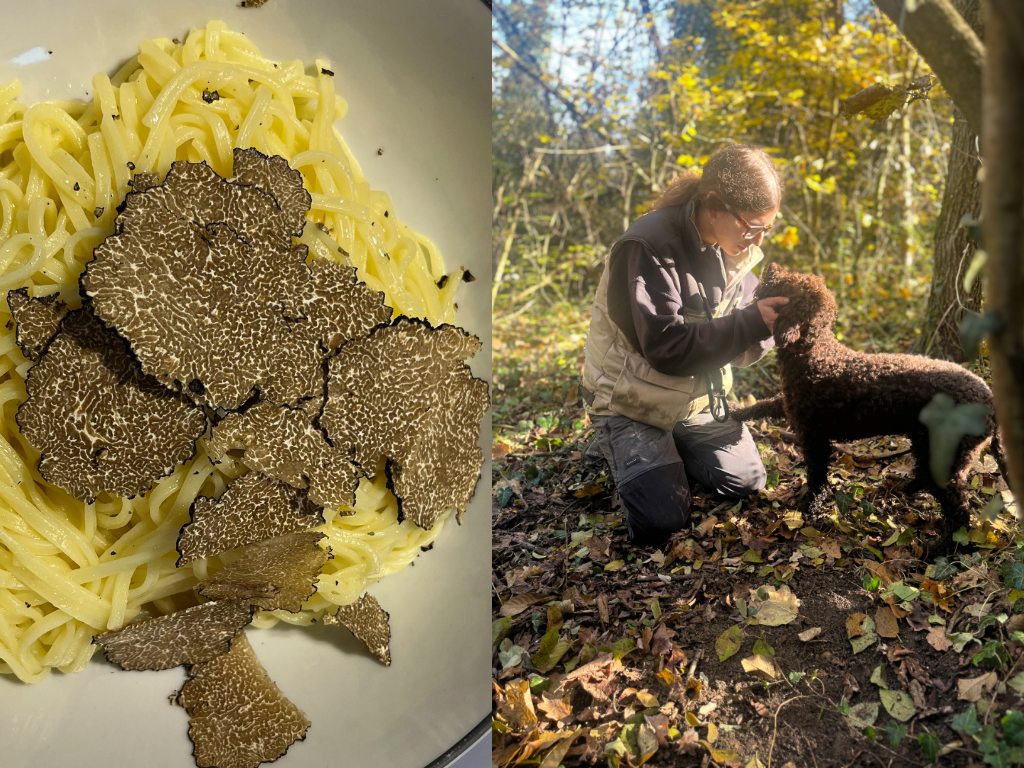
column 1003, row 201
column 947, row 299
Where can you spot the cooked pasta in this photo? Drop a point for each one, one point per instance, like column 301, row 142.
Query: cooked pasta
column 67, row 569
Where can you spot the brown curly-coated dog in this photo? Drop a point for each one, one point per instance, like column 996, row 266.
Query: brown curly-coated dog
column 830, row 392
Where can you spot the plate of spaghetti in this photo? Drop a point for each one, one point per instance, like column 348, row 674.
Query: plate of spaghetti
column 243, row 358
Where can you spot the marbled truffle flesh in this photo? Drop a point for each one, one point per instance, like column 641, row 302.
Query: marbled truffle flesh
column 37, row 320
column 404, row 391
column 367, row 621
column 98, row 422
column 191, row 636
column 201, row 277
column 238, row 717
column 282, row 443
column 276, row 573
column 253, row 508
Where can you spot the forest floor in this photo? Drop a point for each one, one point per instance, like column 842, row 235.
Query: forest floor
column 754, row 637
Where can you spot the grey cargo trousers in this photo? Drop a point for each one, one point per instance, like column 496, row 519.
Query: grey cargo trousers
column 653, row 468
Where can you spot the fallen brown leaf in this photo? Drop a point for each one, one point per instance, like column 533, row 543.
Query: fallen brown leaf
column 937, row 639
column 885, row 622
column 519, row 603
column 853, row 625
column 973, row 688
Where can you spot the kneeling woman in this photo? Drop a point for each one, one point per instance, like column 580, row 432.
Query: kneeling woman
column 672, row 312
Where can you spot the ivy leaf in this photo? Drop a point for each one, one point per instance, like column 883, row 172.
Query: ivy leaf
column 897, row 732
column 929, row 742
column 1013, row 727
column 947, row 423
column 961, row 639
column 967, row 721
column 992, row 655
column 1013, row 575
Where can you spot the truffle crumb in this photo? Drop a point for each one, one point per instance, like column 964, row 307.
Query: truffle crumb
column 252, row 509
column 76, row 187
column 380, row 151
column 443, row 281
column 271, row 574
column 98, row 422
column 468, row 277
column 210, row 96
column 404, row 393
column 193, row 635
column 369, row 622
column 238, row 717
column 97, row 212
column 131, row 166
column 38, row 320
column 326, row 72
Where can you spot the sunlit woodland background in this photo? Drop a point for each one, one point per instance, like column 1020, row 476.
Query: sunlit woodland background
column 598, row 104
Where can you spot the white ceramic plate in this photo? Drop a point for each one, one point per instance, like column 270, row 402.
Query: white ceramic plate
column 417, row 79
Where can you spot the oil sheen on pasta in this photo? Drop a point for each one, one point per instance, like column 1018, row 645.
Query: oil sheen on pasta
column 68, row 569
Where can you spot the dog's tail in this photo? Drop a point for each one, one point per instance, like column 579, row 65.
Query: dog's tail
column 770, row 408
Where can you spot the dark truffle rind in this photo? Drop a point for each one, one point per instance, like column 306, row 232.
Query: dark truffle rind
column 202, row 279
column 38, row 320
column 404, row 393
column 238, row 717
column 278, row 573
column 367, row 621
column 282, row 443
column 253, row 508
column 191, row 636
column 98, row 422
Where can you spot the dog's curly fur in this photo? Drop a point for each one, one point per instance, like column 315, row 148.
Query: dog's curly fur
column 829, row 392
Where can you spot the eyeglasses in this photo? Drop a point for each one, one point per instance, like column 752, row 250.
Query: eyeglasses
column 752, row 231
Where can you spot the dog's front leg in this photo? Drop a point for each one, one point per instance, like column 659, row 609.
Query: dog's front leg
column 817, row 449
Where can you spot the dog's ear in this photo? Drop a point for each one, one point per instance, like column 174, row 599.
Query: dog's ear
column 787, row 329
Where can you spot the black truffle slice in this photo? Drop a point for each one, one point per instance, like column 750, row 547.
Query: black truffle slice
column 441, row 468
column 403, row 392
column 143, row 181
column 193, row 635
column 202, row 279
column 271, row 574
column 253, row 508
column 98, row 422
column 282, row 443
column 37, row 320
column 369, row 622
column 238, row 717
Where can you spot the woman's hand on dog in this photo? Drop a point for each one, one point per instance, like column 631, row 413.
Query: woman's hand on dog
column 769, row 310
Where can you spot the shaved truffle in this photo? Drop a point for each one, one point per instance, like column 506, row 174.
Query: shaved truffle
column 403, row 392
column 37, row 320
column 253, row 508
column 282, row 443
column 98, row 422
column 441, row 467
column 238, row 717
column 272, row 574
column 143, row 181
column 193, row 635
column 369, row 622
column 202, row 279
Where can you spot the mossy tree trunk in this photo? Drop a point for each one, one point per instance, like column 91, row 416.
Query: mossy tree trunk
column 953, row 253
column 947, row 299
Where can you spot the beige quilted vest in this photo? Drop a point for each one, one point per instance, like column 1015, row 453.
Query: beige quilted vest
column 624, row 383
